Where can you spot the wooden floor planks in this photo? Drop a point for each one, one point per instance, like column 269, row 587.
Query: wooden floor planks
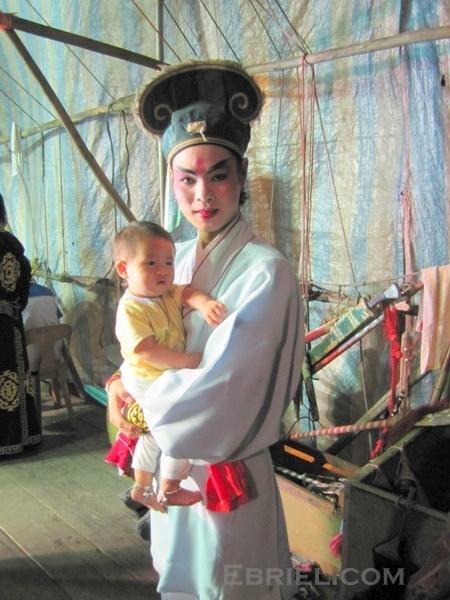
column 65, row 534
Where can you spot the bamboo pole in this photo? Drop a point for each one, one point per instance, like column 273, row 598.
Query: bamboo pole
column 404, row 421
column 161, row 162
column 119, row 105
column 402, row 39
column 68, row 124
column 423, row 35
column 10, row 21
column 373, row 413
column 442, row 380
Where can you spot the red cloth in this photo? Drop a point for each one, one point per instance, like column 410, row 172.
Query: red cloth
column 227, row 486
column 121, row 453
column 336, row 545
column 391, row 333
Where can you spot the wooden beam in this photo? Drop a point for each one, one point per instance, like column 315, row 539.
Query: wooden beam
column 402, row 39
column 9, row 21
column 68, row 124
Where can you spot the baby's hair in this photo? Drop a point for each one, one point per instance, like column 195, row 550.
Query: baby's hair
column 127, row 239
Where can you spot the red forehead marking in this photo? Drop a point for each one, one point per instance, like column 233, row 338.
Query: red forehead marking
column 200, row 166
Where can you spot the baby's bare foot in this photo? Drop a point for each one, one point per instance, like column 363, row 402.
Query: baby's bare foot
column 178, row 497
column 147, row 497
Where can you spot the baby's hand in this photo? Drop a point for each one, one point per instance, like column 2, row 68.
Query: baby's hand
column 193, row 360
column 214, row 312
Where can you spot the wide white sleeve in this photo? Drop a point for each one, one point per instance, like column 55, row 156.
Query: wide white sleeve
column 231, row 406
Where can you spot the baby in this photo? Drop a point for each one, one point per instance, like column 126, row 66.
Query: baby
column 150, row 331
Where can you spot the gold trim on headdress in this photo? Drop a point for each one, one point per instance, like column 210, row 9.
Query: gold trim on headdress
column 197, row 141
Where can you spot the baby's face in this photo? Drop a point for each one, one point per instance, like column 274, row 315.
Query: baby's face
column 150, row 272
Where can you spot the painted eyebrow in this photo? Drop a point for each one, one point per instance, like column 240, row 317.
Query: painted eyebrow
column 215, row 167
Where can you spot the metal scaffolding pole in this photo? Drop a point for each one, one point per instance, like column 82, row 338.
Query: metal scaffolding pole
column 402, row 39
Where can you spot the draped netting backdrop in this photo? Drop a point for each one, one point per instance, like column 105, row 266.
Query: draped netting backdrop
column 348, row 160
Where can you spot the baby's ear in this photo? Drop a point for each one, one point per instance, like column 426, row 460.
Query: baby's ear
column 121, row 268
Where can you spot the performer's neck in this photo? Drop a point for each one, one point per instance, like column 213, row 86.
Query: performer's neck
column 206, row 237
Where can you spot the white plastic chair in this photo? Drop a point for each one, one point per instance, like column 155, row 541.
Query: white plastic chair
column 51, row 364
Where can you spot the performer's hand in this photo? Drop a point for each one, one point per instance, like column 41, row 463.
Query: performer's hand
column 118, row 397
column 129, row 429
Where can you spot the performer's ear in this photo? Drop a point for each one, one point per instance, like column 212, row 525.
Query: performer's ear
column 244, row 169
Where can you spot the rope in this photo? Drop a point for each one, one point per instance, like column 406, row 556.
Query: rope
column 19, row 107
column 344, row 429
column 275, row 159
column 306, row 193
column 303, row 45
column 160, row 35
column 83, row 281
column 61, row 190
column 219, row 29
column 363, row 284
column 27, row 92
column 127, row 152
column 363, row 381
column 74, row 54
column 322, row 128
column 44, row 199
column 306, row 149
column 113, row 167
column 180, row 29
column 266, row 30
column 113, row 162
column 405, row 194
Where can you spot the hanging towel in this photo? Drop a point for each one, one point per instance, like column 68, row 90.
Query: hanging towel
column 16, row 153
column 434, row 317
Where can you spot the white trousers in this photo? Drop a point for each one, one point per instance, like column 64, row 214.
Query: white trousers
column 147, row 454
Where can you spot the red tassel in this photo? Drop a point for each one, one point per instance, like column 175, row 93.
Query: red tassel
column 378, row 449
column 391, row 334
column 227, row 486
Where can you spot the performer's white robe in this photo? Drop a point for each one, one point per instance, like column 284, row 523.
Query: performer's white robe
column 229, row 408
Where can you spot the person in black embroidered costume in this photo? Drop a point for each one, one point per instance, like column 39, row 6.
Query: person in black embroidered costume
column 19, row 422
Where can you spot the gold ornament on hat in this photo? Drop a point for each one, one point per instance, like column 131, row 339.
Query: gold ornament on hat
column 198, row 127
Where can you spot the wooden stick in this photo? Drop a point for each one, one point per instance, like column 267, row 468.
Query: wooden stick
column 402, row 39
column 10, row 21
column 68, row 124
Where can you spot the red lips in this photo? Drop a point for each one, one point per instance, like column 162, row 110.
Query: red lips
column 206, row 214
